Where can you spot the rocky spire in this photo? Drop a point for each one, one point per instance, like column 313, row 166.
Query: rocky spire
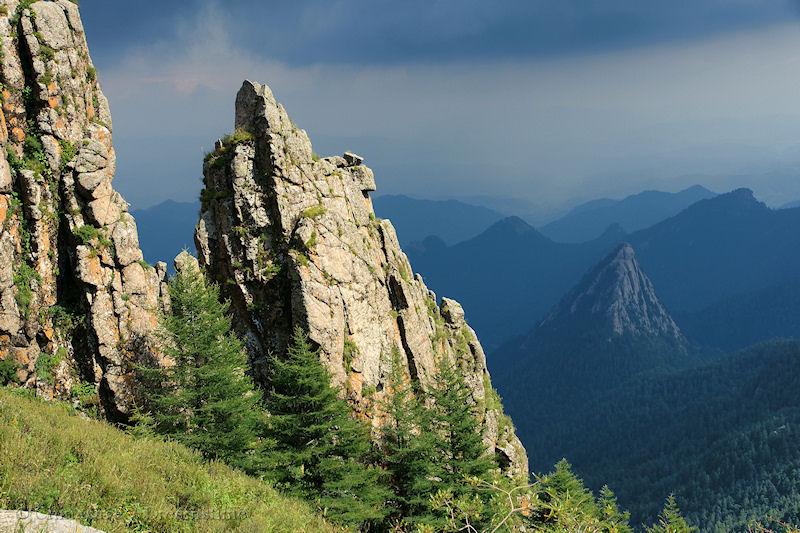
column 292, row 239
column 615, row 297
column 77, row 301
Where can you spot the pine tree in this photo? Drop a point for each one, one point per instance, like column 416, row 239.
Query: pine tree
column 204, row 400
column 409, row 452
column 316, row 450
column 614, row 520
column 460, row 456
column 564, row 487
column 670, row 519
column 461, row 451
column 563, row 503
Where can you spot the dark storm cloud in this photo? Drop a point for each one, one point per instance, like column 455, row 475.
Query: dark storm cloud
column 552, row 102
column 391, row 31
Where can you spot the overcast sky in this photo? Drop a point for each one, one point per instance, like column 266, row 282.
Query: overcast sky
column 551, row 101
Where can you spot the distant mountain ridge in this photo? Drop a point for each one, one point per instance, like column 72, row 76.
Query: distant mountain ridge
column 586, row 221
column 450, row 220
column 511, row 259
column 719, row 247
column 166, row 229
column 716, row 248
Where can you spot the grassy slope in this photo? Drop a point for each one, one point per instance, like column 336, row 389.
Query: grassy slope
column 55, row 462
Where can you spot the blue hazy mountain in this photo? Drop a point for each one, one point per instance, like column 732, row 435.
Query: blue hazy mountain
column 609, row 380
column 587, row 221
column 450, row 220
column 727, row 245
column 609, row 326
column 745, row 319
column 791, row 205
column 166, row 228
column 508, row 277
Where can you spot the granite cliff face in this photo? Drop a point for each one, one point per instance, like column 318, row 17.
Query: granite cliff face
column 77, row 302
column 292, row 239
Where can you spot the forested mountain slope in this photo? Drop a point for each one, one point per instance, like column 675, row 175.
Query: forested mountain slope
column 609, row 381
column 725, row 438
column 745, row 319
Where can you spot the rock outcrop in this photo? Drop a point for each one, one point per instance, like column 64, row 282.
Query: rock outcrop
column 77, row 301
column 616, row 297
column 30, row 522
column 609, row 327
column 292, row 239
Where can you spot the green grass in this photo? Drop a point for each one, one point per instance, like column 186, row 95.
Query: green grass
column 315, row 211
column 92, row 236
column 24, row 278
column 220, row 157
column 53, row 461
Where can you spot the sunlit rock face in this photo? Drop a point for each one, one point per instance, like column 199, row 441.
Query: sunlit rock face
column 77, row 302
column 293, row 240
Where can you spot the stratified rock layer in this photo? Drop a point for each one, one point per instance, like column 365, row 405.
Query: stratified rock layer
column 293, row 240
column 77, row 302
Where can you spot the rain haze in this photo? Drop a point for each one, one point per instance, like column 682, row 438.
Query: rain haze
column 552, row 103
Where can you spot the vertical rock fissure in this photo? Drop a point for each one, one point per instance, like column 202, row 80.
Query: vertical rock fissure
column 412, row 365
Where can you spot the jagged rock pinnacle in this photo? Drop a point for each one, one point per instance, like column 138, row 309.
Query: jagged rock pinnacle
column 77, row 301
column 292, row 239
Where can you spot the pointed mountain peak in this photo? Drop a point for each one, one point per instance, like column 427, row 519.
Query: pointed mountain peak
column 623, row 253
column 615, row 298
column 293, row 240
column 512, row 227
column 512, row 224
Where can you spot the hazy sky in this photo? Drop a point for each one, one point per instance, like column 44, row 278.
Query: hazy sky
column 552, row 101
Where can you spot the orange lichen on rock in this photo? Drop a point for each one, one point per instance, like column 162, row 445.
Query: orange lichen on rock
column 18, row 134
column 3, row 128
column 3, row 209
